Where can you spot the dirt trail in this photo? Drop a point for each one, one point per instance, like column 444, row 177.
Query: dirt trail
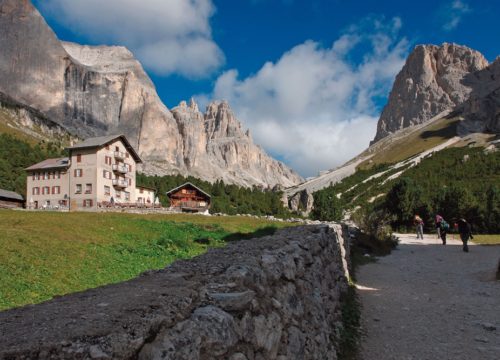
column 428, row 301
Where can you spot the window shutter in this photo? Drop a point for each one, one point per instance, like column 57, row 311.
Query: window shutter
column 78, row 158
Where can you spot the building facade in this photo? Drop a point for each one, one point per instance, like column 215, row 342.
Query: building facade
column 99, row 173
column 189, row 198
column 10, row 199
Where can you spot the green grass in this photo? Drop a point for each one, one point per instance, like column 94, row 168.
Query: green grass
column 487, row 239
column 44, row 254
column 428, row 137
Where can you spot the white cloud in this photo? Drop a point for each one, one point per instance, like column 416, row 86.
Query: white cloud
column 454, row 13
column 168, row 36
column 315, row 107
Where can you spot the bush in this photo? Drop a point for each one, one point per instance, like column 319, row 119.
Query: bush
column 377, row 235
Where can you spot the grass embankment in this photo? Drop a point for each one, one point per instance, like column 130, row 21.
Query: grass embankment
column 426, row 138
column 43, row 254
column 487, row 239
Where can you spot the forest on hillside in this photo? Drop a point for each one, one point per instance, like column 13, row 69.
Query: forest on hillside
column 455, row 183
column 16, row 155
column 226, row 198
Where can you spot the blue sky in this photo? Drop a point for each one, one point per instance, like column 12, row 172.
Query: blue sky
column 309, row 78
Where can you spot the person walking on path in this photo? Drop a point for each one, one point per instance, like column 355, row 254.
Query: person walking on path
column 419, row 223
column 465, row 232
column 443, row 230
column 439, row 218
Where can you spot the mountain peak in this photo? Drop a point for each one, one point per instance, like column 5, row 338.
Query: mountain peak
column 432, row 81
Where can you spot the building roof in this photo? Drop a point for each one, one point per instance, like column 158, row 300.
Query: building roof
column 105, row 140
column 188, row 183
column 57, row 163
column 10, row 195
column 145, row 187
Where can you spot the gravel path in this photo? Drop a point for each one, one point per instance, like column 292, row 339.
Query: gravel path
column 429, row 301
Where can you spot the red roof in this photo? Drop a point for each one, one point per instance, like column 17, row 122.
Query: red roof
column 50, row 164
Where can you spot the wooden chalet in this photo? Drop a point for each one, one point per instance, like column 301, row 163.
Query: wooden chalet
column 10, row 199
column 189, row 198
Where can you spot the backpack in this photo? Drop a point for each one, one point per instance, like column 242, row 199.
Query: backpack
column 444, row 225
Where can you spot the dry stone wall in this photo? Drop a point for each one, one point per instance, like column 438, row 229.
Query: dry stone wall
column 276, row 297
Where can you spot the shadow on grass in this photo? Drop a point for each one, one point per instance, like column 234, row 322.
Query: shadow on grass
column 447, row 132
column 268, row 230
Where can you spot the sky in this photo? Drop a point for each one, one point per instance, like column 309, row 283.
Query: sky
column 308, row 78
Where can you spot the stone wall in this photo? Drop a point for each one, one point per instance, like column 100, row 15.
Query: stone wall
column 276, row 297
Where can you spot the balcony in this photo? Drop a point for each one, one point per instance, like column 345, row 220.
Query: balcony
column 120, row 155
column 120, row 183
column 122, row 169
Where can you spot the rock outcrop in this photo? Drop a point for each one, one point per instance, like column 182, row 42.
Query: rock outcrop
column 32, row 123
column 481, row 112
column 301, row 202
column 434, row 79
column 277, row 297
column 98, row 90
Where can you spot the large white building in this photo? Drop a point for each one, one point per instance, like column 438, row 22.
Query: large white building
column 99, row 172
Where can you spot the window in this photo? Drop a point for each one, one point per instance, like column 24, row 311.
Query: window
column 46, row 190
column 126, row 155
column 129, row 181
column 57, row 175
column 108, row 160
column 78, row 189
column 79, row 158
column 118, row 194
column 117, row 148
column 78, row 172
column 36, row 191
column 36, row 176
column 107, row 147
column 46, row 176
column 56, row 190
column 88, row 188
column 141, row 191
column 105, row 174
column 107, row 190
column 87, row 203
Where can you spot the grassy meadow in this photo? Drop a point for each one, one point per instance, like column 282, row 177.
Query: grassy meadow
column 428, row 137
column 43, row 254
column 487, row 239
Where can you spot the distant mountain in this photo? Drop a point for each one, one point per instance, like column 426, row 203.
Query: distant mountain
column 445, row 95
column 434, row 79
column 97, row 90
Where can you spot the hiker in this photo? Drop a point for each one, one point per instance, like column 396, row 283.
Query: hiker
column 439, row 218
column 443, row 230
column 419, row 223
column 465, row 232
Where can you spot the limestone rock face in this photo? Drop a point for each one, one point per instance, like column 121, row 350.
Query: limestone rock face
column 481, row 112
column 214, row 146
column 98, row 90
column 434, row 79
column 302, row 201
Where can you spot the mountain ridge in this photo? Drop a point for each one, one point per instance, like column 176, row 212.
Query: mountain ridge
column 99, row 90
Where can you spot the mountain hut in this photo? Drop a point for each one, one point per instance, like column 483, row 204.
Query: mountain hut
column 189, row 198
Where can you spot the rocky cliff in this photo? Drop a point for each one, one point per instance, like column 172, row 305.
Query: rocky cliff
column 214, row 146
column 97, row 90
column 277, row 297
column 434, row 79
column 481, row 112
